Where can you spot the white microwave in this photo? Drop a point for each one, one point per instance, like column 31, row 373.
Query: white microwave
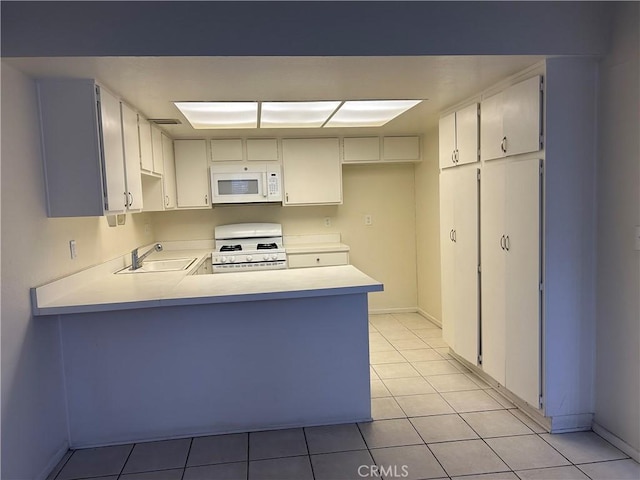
column 246, row 183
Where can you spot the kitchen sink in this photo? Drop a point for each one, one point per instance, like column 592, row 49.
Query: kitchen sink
column 155, row 266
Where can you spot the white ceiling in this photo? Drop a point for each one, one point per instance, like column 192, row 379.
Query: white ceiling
column 151, row 84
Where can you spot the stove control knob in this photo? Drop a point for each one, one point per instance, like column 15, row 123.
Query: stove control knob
column 249, row 258
column 273, row 257
column 232, row 259
column 265, row 257
column 224, row 259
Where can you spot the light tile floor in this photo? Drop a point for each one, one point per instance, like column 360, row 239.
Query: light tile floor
column 433, row 419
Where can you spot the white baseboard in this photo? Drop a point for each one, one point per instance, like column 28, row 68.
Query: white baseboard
column 47, row 472
column 430, row 317
column 380, row 311
column 616, row 441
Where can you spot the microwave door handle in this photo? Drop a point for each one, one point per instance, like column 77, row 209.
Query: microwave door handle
column 264, row 185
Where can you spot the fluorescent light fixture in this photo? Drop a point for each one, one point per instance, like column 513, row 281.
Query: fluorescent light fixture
column 220, row 114
column 296, row 114
column 369, row 113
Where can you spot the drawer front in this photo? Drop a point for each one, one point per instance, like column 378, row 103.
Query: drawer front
column 318, row 259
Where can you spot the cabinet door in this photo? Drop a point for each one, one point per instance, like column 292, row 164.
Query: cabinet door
column 169, row 177
column 226, row 150
column 112, row 147
column 146, row 152
column 262, row 149
column 447, row 140
column 156, row 148
column 521, row 117
column 131, row 158
column 361, row 149
column 493, row 262
column 401, row 149
column 465, row 241
column 467, row 134
column 491, row 133
column 447, row 255
column 192, row 181
column 311, row 171
column 523, row 280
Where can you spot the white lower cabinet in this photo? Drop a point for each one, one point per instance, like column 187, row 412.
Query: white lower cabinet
column 510, row 245
column 192, row 179
column 324, row 259
column 459, row 260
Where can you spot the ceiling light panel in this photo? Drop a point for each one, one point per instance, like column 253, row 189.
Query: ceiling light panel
column 296, row 114
column 369, row 113
column 202, row 115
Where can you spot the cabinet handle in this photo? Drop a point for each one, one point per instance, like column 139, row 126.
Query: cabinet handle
column 206, row 199
column 455, row 236
column 457, row 156
column 286, row 196
column 503, row 145
column 130, row 199
column 166, row 200
column 507, row 243
column 502, row 242
column 451, row 235
column 453, row 157
column 126, row 199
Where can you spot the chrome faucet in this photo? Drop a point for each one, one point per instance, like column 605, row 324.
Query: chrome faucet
column 136, row 261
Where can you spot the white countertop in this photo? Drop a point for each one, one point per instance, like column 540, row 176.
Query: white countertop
column 99, row 289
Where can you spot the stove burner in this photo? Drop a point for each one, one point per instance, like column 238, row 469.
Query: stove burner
column 230, row 248
column 267, row 246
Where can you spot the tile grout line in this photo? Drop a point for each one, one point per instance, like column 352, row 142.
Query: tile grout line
column 125, row 462
column 306, row 442
column 186, row 460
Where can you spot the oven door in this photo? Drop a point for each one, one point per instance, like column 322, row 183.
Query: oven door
column 239, row 187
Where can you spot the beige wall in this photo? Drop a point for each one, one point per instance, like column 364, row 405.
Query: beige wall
column 618, row 286
column 428, row 229
column 35, row 250
column 385, row 250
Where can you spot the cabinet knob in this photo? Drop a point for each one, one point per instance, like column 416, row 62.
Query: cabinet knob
column 317, row 260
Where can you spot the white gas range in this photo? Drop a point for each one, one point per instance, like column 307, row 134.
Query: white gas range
column 248, row 247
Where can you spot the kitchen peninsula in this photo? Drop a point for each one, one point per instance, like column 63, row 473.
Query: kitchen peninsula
column 161, row 355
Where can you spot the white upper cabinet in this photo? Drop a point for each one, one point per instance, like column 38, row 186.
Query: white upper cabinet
column 116, row 195
column 511, row 121
column 447, row 141
column 192, row 179
column 169, row 176
column 156, row 148
column 401, row 149
column 458, row 137
column 262, row 149
column 131, row 141
column 82, row 148
column 226, row 150
column 361, row 149
column 146, row 151
column 311, row 171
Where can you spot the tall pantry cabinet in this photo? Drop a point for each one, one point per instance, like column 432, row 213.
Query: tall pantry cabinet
column 536, row 241
column 459, row 189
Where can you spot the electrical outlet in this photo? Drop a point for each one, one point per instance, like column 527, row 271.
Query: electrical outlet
column 368, row 220
column 72, row 249
column 327, row 221
column 147, row 229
